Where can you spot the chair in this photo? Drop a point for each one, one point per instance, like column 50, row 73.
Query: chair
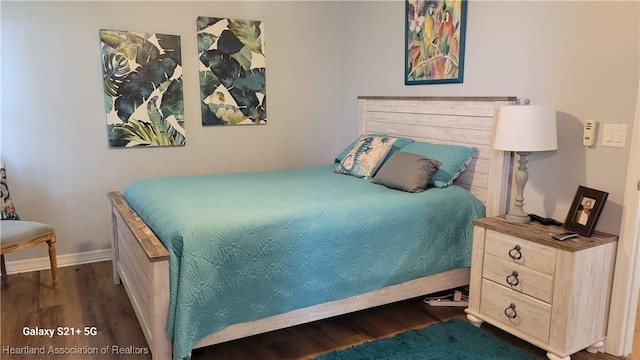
column 16, row 234
column 19, row 234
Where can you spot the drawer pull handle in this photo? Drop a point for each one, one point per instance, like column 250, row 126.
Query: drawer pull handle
column 515, row 253
column 512, row 279
column 510, row 312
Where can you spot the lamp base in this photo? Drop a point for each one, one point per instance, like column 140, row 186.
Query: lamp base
column 516, row 214
column 517, row 219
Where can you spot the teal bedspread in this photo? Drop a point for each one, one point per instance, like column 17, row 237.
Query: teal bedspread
column 245, row 246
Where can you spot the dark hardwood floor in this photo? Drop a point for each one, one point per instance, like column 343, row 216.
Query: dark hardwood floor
column 87, row 297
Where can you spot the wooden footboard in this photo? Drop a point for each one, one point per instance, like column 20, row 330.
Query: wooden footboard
column 141, row 263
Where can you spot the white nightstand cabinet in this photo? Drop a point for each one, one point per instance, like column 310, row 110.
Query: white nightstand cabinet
column 553, row 294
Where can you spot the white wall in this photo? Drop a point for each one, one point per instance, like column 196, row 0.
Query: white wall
column 54, row 139
column 582, row 57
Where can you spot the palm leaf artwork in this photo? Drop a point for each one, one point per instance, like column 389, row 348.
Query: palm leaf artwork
column 142, row 76
column 232, row 71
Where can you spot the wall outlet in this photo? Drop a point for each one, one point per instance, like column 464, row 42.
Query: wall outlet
column 589, row 133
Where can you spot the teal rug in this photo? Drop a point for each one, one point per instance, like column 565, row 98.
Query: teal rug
column 452, row 340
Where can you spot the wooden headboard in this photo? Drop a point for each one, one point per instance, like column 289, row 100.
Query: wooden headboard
column 467, row 121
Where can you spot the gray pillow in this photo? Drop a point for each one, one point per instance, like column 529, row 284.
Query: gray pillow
column 407, row 172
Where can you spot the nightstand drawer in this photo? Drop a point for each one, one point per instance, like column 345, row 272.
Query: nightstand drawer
column 516, row 310
column 518, row 277
column 527, row 253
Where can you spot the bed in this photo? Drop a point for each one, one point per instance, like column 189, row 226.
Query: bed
column 303, row 248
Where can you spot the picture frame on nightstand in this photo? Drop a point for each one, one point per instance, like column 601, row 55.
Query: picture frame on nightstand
column 585, row 210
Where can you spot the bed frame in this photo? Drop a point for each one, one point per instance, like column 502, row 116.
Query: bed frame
column 141, row 263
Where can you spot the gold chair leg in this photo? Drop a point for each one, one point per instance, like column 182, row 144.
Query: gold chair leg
column 52, row 258
column 3, row 270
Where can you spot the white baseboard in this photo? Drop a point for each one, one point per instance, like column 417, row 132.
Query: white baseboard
column 21, row 266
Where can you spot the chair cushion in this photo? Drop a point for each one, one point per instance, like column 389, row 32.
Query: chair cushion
column 7, row 209
column 16, row 231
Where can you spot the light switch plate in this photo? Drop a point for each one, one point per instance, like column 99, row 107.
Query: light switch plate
column 614, row 135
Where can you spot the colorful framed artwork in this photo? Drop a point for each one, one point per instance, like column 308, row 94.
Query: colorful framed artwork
column 142, row 77
column 232, row 71
column 434, row 38
column 585, row 210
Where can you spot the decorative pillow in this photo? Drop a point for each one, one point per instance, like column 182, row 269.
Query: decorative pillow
column 6, row 204
column 366, row 156
column 399, row 144
column 407, row 172
column 454, row 158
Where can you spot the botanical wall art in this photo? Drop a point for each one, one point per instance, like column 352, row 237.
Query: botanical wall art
column 434, row 38
column 232, row 71
column 142, row 74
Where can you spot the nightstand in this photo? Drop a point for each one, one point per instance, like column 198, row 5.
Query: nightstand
column 553, row 294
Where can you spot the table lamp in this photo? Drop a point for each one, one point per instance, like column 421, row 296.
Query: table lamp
column 525, row 129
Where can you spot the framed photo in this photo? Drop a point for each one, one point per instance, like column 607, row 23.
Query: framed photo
column 434, row 41
column 585, row 210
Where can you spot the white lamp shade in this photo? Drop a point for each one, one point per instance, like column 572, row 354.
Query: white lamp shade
column 526, row 128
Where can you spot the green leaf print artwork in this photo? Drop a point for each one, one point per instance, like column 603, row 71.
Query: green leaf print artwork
column 142, row 76
column 232, row 71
